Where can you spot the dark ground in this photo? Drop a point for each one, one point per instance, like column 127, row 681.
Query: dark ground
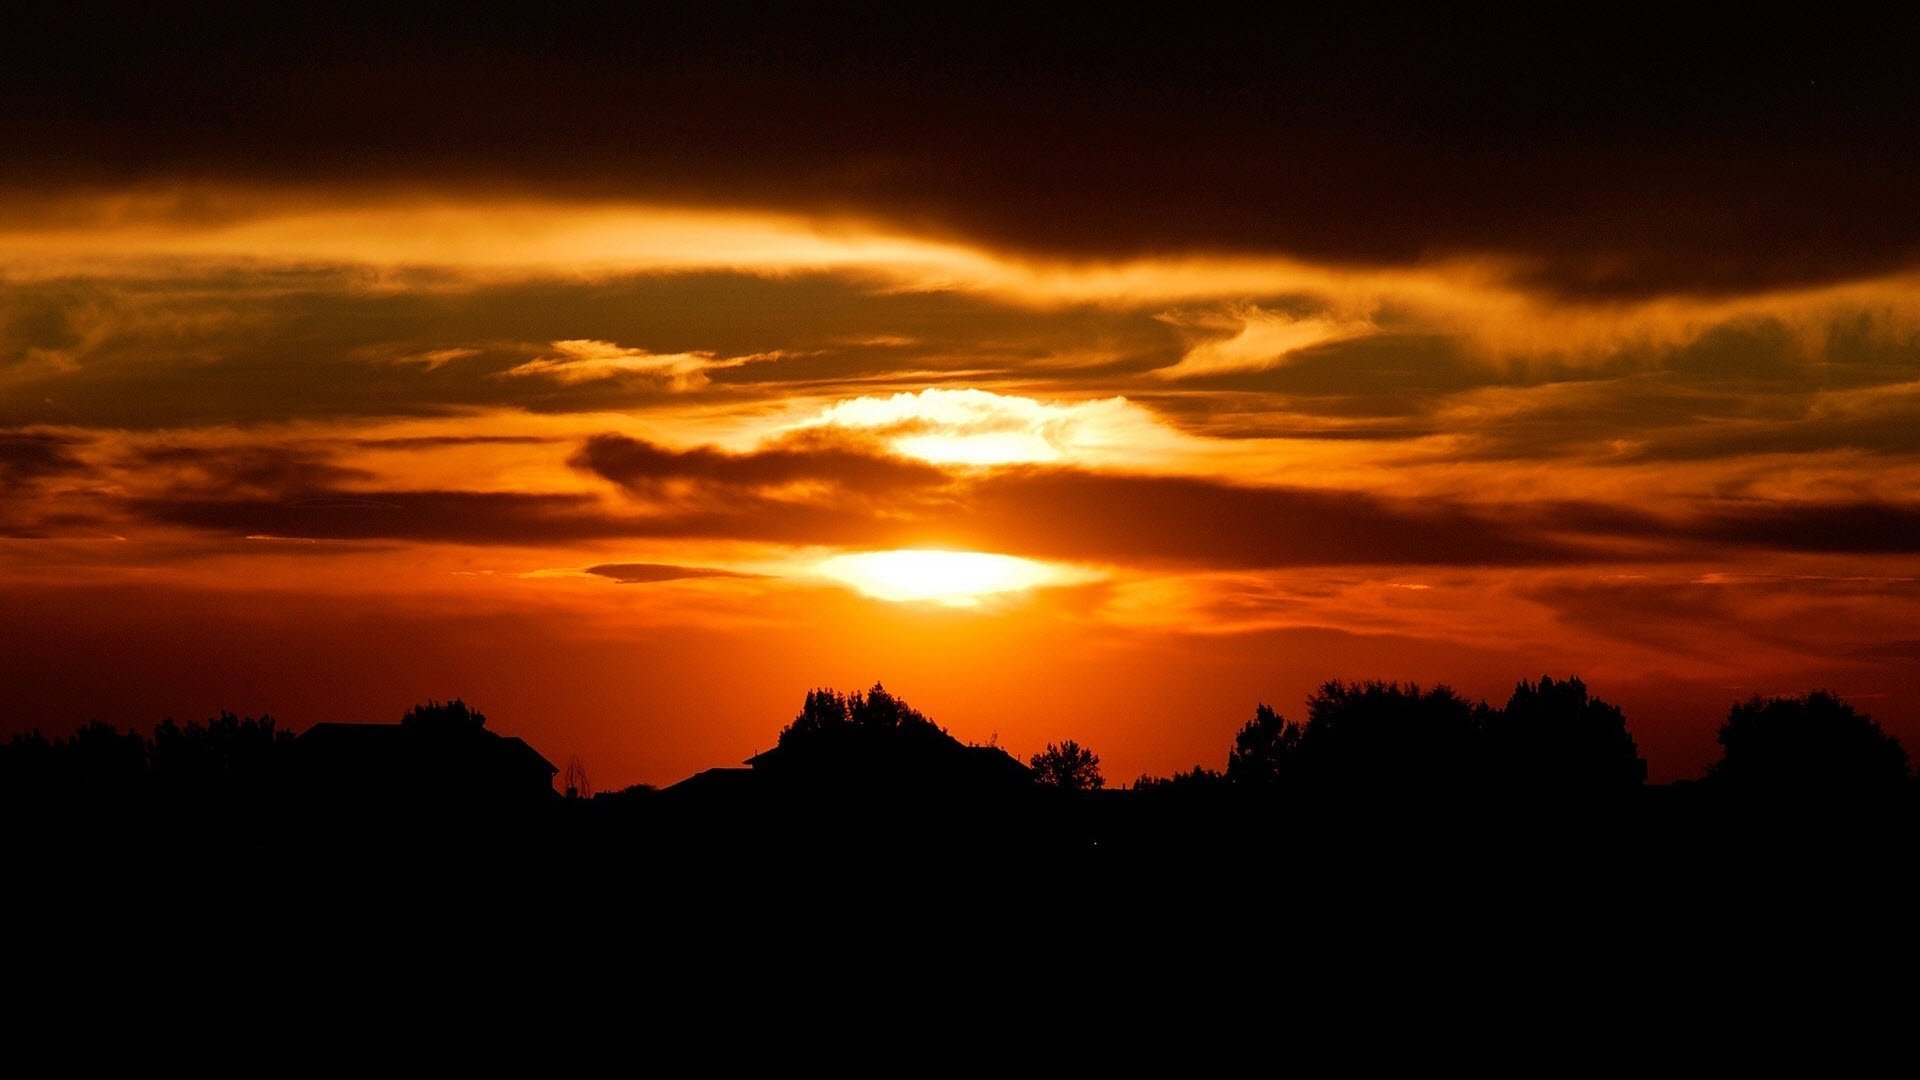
column 1057, row 933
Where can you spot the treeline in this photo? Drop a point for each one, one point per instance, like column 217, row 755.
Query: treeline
column 225, row 762
column 1381, row 741
column 226, row 754
column 1552, row 739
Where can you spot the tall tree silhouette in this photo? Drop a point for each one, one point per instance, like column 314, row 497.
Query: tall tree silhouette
column 1552, row 737
column 1262, row 750
column 823, row 711
column 1067, row 766
column 1815, row 744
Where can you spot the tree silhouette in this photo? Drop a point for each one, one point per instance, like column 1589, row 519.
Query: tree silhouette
column 866, row 741
column 1198, row 778
column 1386, row 739
column 1553, row 738
column 105, row 762
column 1261, row 749
column 450, row 718
column 823, row 711
column 877, row 710
column 828, row 714
column 1067, row 766
column 576, row 781
column 225, row 749
column 1813, row 744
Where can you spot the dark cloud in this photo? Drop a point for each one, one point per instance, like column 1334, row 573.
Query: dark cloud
column 27, row 460
column 1073, row 514
column 1905, row 649
column 493, row 518
column 466, row 517
column 27, row 457
column 284, row 470
column 1835, row 527
column 1707, row 617
column 1378, row 375
column 1892, row 427
column 646, row 573
column 816, row 489
column 853, row 496
column 644, row 468
column 1749, row 387
column 1852, row 527
column 433, row 442
column 38, row 322
column 1624, row 153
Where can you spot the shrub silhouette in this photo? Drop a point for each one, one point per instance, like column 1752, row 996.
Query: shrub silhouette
column 1067, row 766
column 1815, row 744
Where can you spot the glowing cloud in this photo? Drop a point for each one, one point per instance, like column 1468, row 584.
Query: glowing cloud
column 979, row 427
column 953, row 578
column 1256, row 339
column 582, row 361
column 451, row 242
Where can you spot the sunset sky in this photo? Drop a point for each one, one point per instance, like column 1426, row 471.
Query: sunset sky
column 619, row 375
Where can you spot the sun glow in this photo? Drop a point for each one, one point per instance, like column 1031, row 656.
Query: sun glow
column 984, row 428
column 954, row 578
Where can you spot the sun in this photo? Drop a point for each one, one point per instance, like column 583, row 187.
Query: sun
column 954, row 578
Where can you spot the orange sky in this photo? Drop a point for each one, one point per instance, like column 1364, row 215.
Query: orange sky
column 1098, row 399
column 621, row 501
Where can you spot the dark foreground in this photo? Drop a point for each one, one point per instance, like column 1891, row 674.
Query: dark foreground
column 903, row 935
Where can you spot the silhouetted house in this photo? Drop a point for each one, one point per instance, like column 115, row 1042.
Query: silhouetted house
column 929, row 764
column 390, row 766
column 860, row 750
column 720, row 783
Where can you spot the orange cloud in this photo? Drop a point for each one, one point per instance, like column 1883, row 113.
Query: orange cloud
column 1491, row 302
column 1247, row 337
column 979, row 427
column 583, row 360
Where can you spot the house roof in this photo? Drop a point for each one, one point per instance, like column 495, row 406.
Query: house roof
column 394, row 738
column 708, row 781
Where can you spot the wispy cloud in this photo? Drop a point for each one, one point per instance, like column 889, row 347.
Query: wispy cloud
column 586, row 360
column 1248, row 337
